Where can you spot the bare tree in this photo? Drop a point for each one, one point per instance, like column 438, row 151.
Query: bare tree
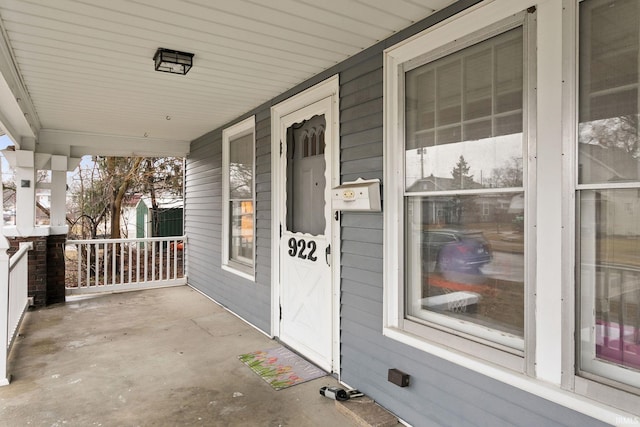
column 509, row 175
column 90, row 206
column 619, row 132
column 122, row 174
column 161, row 177
column 102, row 188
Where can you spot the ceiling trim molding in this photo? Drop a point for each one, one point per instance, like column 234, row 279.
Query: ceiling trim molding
column 15, row 103
column 78, row 144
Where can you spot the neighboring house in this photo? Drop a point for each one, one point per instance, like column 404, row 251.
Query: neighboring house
column 9, row 205
column 169, row 218
column 43, row 201
column 128, row 219
column 616, row 212
column 137, row 213
column 348, row 288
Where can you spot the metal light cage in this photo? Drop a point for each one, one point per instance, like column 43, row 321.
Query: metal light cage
column 173, row 61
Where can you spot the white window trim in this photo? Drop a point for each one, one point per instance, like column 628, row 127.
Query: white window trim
column 441, row 41
column 591, row 385
column 245, row 127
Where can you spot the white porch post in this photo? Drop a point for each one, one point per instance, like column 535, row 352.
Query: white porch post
column 25, row 191
column 58, row 193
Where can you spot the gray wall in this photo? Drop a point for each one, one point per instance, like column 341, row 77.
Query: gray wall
column 203, row 227
column 441, row 393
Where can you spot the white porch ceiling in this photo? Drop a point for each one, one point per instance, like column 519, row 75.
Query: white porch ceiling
column 82, row 70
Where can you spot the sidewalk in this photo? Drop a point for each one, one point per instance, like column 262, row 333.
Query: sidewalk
column 164, row 357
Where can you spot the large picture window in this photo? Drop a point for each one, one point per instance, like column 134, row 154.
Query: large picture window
column 608, row 194
column 464, row 194
column 463, row 133
column 238, row 233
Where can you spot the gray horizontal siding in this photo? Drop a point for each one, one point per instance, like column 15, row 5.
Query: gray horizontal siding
column 203, row 226
column 441, row 393
column 263, row 208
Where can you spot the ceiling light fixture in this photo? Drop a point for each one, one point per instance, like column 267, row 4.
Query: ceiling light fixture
column 173, row 61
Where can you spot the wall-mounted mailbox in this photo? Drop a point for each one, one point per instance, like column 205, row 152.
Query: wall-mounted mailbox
column 358, row 195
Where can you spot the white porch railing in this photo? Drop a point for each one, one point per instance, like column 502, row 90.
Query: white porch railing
column 108, row 265
column 13, row 286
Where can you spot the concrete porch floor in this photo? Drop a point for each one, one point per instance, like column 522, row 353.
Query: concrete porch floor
column 149, row 358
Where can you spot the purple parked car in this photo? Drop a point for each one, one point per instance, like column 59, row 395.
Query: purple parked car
column 456, row 250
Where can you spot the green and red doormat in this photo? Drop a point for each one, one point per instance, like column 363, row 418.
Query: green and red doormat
column 280, row 367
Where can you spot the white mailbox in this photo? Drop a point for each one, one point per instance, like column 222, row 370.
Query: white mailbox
column 358, row 195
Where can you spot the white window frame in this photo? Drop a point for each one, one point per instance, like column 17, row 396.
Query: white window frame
column 436, row 42
column 243, row 128
column 599, row 383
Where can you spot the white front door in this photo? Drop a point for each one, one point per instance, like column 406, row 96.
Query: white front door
column 307, row 318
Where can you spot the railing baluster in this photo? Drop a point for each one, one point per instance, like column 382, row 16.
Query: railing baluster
column 105, row 264
column 92, row 262
column 79, row 268
column 88, row 275
column 113, row 262
column 175, row 260
column 138, row 246
column 168, row 257
column 160, row 263
column 97, row 263
column 121, row 245
column 146, row 261
column 129, row 256
column 153, row 260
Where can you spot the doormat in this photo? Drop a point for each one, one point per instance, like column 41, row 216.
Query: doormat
column 280, row 367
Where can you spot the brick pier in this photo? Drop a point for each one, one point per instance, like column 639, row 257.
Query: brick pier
column 46, row 267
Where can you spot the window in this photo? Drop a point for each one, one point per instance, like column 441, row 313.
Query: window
column 238, row 232
column 305, row 177
column 608, row 191
column 461, row 250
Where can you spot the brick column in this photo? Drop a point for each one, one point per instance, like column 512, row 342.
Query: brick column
column 56, row 268
column 37, row 266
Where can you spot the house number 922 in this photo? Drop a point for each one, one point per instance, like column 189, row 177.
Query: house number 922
column 302, row 249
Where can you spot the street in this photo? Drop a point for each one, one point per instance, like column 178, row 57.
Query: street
column 505, row 266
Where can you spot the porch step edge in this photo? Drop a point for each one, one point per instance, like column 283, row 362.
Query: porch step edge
column 366, row 412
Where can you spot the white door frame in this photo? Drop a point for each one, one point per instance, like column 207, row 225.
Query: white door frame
column 326, row 89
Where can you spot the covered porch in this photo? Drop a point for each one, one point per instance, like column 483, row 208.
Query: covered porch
column 154, row 357
column 80, row 78
column 291, row 114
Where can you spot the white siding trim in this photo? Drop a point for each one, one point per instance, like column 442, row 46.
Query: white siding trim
column 549, row 193
column 569, row 167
